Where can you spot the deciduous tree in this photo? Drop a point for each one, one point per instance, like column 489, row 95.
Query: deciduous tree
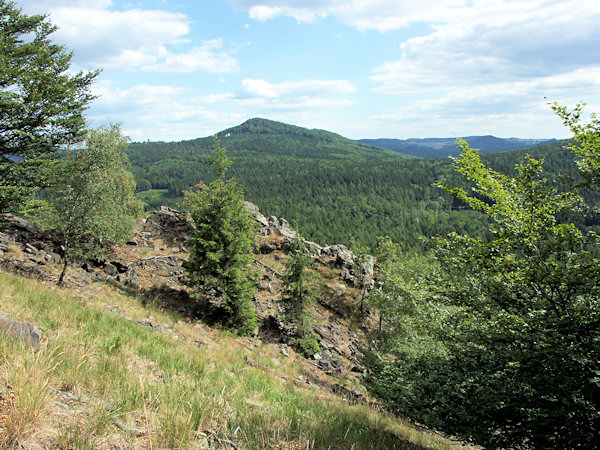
column 519, row 320
column 92, row 200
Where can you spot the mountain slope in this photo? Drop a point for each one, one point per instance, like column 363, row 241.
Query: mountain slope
column 444, row 147
column 331, row 188
column 124, row 365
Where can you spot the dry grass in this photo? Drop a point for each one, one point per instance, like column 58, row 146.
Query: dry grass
column 101, row 380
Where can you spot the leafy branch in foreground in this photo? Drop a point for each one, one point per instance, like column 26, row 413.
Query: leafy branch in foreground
column 587, row 139
column 519, row 322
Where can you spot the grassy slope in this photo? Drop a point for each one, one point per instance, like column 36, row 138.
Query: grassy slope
column 124, row 384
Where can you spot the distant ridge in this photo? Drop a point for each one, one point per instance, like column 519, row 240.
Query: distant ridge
column 444, row 147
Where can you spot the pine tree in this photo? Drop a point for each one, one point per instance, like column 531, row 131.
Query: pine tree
column 41, row 103
column 221, row 248
column 298, row 294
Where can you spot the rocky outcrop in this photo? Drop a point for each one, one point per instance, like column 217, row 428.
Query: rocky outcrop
column 29, row 238
column 171, row 225
column 155, row 255
column 272, row 226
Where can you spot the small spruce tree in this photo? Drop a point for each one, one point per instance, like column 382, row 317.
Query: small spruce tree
column 221, row 248
column 298, row 294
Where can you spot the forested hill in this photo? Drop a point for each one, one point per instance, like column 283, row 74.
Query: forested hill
column 267, row 137
column 262, row 138
column 331, row 188
column 444, row 147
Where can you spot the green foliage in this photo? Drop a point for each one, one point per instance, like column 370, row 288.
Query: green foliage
column 401, row 281
column 298, row 295
column 41, row 103
column 308, row 345
column 221, row 248
column 92, row 201
column 587, row 142
column 518, row 318
column 361, row 259
column 328, row 185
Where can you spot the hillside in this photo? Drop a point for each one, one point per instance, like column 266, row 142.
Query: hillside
column 331, row 188
column 127, row 359
column 444, row 147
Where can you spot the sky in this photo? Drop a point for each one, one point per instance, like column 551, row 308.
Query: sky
column 176, row 70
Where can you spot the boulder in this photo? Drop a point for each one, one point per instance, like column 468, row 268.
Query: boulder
column 313, row 248
column 255, row 212
column 52, row 257
column 25, row 332
column 110, row 269
column 169, row 224
column 343, row 256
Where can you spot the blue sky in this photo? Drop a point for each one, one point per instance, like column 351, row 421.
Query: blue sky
column 175, row 70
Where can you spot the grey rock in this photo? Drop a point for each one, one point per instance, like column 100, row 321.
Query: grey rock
column 287, row 233
column 313, row 248
column 276, row 362
column 171, row 225
column 53, row 258
column 254, row 211
column 110, row 269
column 346, row 275
column 251, row 208
column 30, row 249
column 25, row 332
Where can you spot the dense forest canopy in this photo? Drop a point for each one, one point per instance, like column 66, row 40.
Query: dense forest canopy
column 332, row 188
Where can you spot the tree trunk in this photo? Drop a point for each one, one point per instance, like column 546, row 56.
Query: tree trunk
column 64, row 270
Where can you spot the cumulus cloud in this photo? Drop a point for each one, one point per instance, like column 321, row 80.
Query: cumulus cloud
column 505, row 42
column 468, row 42
column 175, row 113
column 131, row 39
column 158, row 112
column 202, row 58
column 503, row 108
column 381, row 15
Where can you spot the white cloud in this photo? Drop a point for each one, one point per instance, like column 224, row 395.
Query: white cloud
column 131, row 39
column 202, row 58
column 174, row 113
column 502, row 42
column 158, row 112
column 504, row 109
column 381, row 15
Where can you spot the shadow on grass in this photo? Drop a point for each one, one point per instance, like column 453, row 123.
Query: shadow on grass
column 178, row 302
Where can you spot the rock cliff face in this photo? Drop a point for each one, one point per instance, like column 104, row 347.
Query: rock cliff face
column 150, row 265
